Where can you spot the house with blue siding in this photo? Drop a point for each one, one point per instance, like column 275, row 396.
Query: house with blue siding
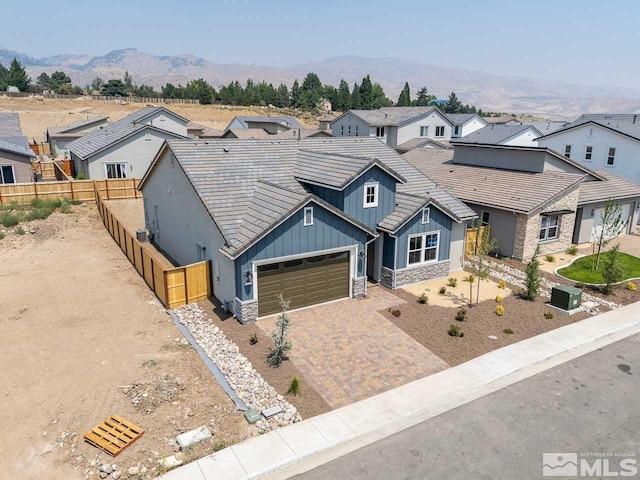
column 311, row 219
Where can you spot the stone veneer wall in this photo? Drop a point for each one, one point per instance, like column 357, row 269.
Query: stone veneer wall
column 528, row 229
column 246, row 312
column 393, row 279
column 357, row 286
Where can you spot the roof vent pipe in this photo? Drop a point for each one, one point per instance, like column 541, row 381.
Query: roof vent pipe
column 385, row 115
column 634, row 118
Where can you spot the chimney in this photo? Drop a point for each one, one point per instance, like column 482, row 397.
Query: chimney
column 634, row 118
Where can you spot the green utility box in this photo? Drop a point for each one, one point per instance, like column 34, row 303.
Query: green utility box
column 565, row 297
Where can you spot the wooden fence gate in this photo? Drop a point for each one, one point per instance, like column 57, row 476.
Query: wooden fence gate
column 471, row 245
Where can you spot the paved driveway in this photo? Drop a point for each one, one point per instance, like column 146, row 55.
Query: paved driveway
column 349, row 352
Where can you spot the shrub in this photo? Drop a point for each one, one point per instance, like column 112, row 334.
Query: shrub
column 454, row 331
column 219, row 445
column 631, row 286
column 502, row 284
column 453, row 282
column 461, row 316
column 20, row 231
column 294, row 388
column 612, row 270
column 65, row 207
column 423, row 299
column 548, row 316
column 81, row 176
column 2, row 235
column 508, row 331
column 572, row 250
column 254, row 339
column 8, row 219
column 500, row 310
column 579, row 285
column 499, row 298
column 532, row 280
column 443, row 290
column 550, row 258
column 395, row 312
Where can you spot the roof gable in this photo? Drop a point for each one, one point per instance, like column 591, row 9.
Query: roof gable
column 626, row 129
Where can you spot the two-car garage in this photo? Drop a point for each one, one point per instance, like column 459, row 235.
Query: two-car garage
column 303, row 281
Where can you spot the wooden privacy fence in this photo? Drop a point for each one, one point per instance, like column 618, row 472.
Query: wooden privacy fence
column 471, row 244
column 73, row 190
column 173, row 286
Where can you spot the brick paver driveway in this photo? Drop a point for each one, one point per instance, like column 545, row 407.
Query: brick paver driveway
column 349, row 352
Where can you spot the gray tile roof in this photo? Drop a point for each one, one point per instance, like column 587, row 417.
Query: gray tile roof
column 249, row 133
column 287, row 121
column 522, row 192
column 493, row 134
column 406, row 208
column 93, row 142
column 420, row 143
column 296, row 133
column 460, row 118
column 17, row 145
column 613, row 187
column 235, row 178
column 623, row 124
column 10, row 125
column 334, row 170
column 393, row 116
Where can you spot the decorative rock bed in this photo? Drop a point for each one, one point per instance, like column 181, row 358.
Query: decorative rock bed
column 248, row 384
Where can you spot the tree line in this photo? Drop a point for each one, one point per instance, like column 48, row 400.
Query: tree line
column 308, row 95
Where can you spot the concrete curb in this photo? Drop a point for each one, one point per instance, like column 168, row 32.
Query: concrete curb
column 303, row 446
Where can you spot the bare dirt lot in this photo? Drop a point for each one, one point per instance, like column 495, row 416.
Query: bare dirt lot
column 83, row 338
column 36, row 115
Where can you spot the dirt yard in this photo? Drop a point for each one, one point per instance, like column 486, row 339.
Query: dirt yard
column 36, row 115
column 83, row 339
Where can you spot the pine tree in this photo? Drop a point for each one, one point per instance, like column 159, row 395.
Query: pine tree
column 532, row 279
column 4, row 73
column 380, row 99
column 453, row 105
column 423, row 98
column 344, row 97
column 295, row 94
column 356, row 99
column 17, row 76
column 127, row 80
column 284, row 99
column 404, row 100
column 366, row 93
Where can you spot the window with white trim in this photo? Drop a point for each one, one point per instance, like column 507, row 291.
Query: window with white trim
column 484, row 220
column 423, row 248
column 7, row 174
column 456, row 130
column 370, row 195
column 426, row 215
column 424, row 131
column 567, row 151
column 379, row 131
column 341, row 129
column 440, row 131
column 349, row 130
column 356, row 130
column 549, row 227
column 588, row 152
column 116, row 170
column 611, row 156
column 308, row 216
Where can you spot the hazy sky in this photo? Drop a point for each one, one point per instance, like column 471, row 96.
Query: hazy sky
column 581, row 41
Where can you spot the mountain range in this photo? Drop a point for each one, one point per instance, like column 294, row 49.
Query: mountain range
column 552, row 99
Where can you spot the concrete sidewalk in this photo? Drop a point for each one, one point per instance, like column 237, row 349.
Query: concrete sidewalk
column 300, row 447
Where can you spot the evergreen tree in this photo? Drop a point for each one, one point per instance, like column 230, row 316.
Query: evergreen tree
column 114, row 87
column 344, row 97
column 356, row 99
column 404, row 100
column 453, row 104
column 43, row 80
column 612, row 269
column 284, row 98
column 17, row 76
column 423, row 98
column 366, row 93
column 331, row 94
column 295, row 94
column 128, row 81
column 97, row 83
column 4, row 73
column 58, row 79
column 379, row 98
column 200, row 90
column 532, row 280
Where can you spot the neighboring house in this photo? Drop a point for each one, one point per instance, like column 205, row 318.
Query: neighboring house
column 499, row 134
column 60, row 137
column 297, row 133
column 547, row 126
column 504, row 120
column 394, row 125
column 195, row 130
column 243, row 134
column 465, row 123
column 529, row 196
column 269, row 124
column 610, row 142
column 126, row 148
column 421, row 143
column 15, row 153
column 312, row 219
column 324, row 122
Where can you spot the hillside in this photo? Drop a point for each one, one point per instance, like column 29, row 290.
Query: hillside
column 490, row 92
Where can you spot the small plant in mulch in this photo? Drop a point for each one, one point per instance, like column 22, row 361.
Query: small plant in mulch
column 461, row 316
column 294, row 388
column 500, row 310
column 253, row 339
column 395, row 312
column 452, row 282
column 423, row 299
column 502, row 284
column 579, row 285
column 442, row 290
column 508, row 331
column 631, row 286
column 550, row 258
column 281, row 343
column 572, row 250
column 499, row 298
column 219, row 445
column 2, row 235
column 454, row 331
column 548, row 316
column 20, row 231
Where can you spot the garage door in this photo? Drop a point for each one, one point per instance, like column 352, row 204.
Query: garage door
column 304, row 282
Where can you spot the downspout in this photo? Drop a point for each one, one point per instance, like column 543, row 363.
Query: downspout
column 364, row 267
column 515, row 236
column 395, row 258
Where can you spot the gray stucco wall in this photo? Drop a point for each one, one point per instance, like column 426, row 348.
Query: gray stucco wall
column 524, row 160
column 292, row 238
column 21, row 166
column 439, row 222
column 503, row 227
column 168, row 122
column 185, row 223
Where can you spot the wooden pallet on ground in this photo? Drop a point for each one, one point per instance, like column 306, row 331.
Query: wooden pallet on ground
column 114, row 435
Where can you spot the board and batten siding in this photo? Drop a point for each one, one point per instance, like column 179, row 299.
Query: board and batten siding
column 340, row 127
column 354, row 197
column 291, row 237
column 329, row 195
column 439, row 222
column 185, row 225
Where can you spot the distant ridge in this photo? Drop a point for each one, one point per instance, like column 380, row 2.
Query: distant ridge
column 554, row 99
